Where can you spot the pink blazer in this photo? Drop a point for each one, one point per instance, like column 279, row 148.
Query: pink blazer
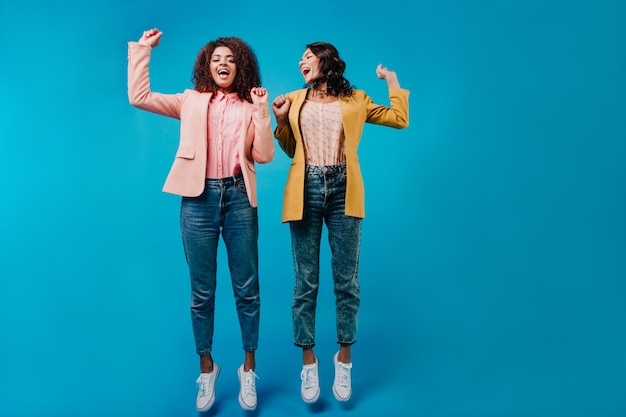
column 188, row 172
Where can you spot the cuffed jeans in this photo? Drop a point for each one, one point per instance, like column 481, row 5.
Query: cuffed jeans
column 324, row 202
column 223, row 206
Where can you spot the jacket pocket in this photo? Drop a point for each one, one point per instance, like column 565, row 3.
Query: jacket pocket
column 186, row 153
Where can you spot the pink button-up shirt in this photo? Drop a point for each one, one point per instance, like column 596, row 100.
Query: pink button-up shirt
column 224, row 129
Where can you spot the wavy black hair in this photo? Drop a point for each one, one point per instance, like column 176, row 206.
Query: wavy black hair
column 331, row 70
column 248, row 73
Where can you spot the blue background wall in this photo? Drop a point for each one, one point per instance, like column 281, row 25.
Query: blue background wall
column 494, row 249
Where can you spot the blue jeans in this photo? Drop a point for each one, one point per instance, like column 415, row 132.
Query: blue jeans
column 223, row 206
column 324, row 202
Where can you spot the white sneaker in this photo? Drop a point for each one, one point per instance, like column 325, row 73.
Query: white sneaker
column 206, row 388
column 247, row 390
column 342, row 387
column 310, row 388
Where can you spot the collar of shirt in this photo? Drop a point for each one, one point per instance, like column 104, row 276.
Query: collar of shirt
column 231, row 97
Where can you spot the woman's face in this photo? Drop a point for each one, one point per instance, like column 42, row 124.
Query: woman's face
column 309, row 66
column 223, row 68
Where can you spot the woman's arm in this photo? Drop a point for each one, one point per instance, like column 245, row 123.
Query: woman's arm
column 397, row 115
column 139, row 93
column 283, row 132
column 390, row 76
column 263, row 144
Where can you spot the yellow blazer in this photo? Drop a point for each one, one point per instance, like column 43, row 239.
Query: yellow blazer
column 356, row 111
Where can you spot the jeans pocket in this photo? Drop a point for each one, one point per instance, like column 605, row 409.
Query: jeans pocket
column 240, row 184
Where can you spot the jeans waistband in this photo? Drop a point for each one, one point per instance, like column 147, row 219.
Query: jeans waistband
column 226, row 180
column 330, row 169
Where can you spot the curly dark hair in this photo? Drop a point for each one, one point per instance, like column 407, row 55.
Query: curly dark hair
column 331, row 69
column 248, row 73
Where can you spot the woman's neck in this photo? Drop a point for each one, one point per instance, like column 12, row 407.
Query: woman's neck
column 319, row 94
column 320, row 89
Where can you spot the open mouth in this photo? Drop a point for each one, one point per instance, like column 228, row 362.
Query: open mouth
column 223, row 73
column 305, row 71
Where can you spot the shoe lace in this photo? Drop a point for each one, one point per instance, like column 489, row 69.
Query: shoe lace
column 203, row 385
column 309, row 378
column 249, row 383
column 343, row 375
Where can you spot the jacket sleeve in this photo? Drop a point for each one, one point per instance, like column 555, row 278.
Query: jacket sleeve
column 396, row 116
column 139, row 94
column 263, row 144
column 286, row 140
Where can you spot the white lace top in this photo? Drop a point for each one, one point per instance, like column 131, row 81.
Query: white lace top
column 322, row 132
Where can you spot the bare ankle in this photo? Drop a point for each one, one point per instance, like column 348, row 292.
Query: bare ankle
column 344, row 354
column 308, row 357
column 249, row 363
column 206, row 364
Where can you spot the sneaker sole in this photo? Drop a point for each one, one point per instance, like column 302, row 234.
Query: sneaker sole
column 244, row 406
column 312, row 400
column 338, row 397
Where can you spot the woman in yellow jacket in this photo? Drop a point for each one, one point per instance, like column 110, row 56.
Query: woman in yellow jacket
column 320, row 127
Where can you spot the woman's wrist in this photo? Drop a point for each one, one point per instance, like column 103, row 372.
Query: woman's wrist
column 392, row 80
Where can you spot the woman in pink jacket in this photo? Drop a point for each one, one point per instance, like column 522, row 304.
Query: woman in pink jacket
column 224, row 130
